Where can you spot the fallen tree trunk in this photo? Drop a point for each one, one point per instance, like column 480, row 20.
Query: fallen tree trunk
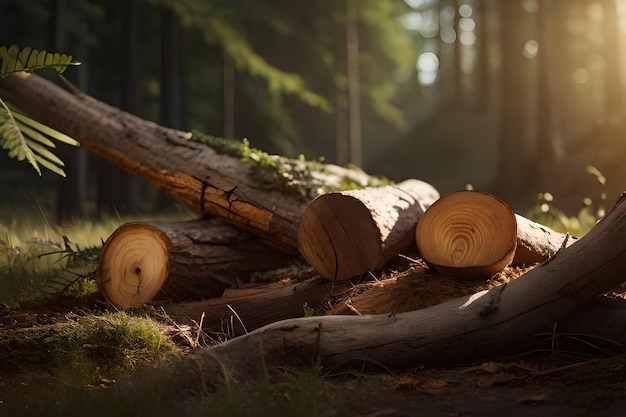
column 468, row 329
column 194, row 174
column 349, row 233
column 186, row 260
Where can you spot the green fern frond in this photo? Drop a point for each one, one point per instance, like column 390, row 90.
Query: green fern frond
column 27, row 139
column 28, row 59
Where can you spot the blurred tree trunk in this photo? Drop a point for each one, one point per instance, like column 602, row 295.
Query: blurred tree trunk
column 170, row 81
column 119, row 192
column 70, row 190
column 550, row 149
column 228, row 116
column 513, row 167
column 613, row 83
column 354, row 94
column 459, row 88
column 481, row 94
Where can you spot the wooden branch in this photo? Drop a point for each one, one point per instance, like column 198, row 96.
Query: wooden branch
column 345, row 234
column 465, row 330
column 188, row 260
column 471, row 234
column 255, row 306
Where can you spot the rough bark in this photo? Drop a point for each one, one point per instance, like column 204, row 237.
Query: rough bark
column 190, row 172
column 142, row 262
column 345, row 234
column 465, row 330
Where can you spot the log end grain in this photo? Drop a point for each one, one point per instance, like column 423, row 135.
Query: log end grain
column 327, row 238
column 470, row 234
column 133, row 265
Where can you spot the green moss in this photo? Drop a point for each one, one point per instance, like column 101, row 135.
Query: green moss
column 113, row 342
column 299, row 176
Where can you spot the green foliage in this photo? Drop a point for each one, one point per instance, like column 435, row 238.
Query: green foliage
column 22, row 137
column 219, row 24
column 26, row 139
column 308, row 310
column 42, row 268
column 546, row 212
column 28, row 59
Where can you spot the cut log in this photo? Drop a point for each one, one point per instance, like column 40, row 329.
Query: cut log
column 536, row 242
column 190, row 260
column 194, row 174
column 471, row 234
column 345, row 234
column 465, row 330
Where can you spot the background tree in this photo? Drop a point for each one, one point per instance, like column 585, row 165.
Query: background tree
column 276, row 72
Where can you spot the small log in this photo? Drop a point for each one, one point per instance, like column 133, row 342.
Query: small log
column 141, row 262
column 536, row 242
column 345, row 234
column 471, row 234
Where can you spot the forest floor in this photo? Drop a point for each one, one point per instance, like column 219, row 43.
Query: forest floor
column 538, row 383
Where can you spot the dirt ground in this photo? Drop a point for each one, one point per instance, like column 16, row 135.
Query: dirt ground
column 537, row 383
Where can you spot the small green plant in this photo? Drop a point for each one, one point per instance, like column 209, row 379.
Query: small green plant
column 547, row 213
column 308, row 311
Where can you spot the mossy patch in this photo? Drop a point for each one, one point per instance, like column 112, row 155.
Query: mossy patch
column 299, row 176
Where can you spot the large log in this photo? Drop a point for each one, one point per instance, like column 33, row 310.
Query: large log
column 349, row 233
column 141, row 262
column 192, row 173
column 464, row 330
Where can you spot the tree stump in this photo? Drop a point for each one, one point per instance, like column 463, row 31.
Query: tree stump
column 345, row 234
column 471, row 234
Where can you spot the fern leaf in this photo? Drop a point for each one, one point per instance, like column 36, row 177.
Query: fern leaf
column 32, row 134
column 28, row 59
column 12, row 139
column 25, row 138
column 43, row 129
column 43, row 154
